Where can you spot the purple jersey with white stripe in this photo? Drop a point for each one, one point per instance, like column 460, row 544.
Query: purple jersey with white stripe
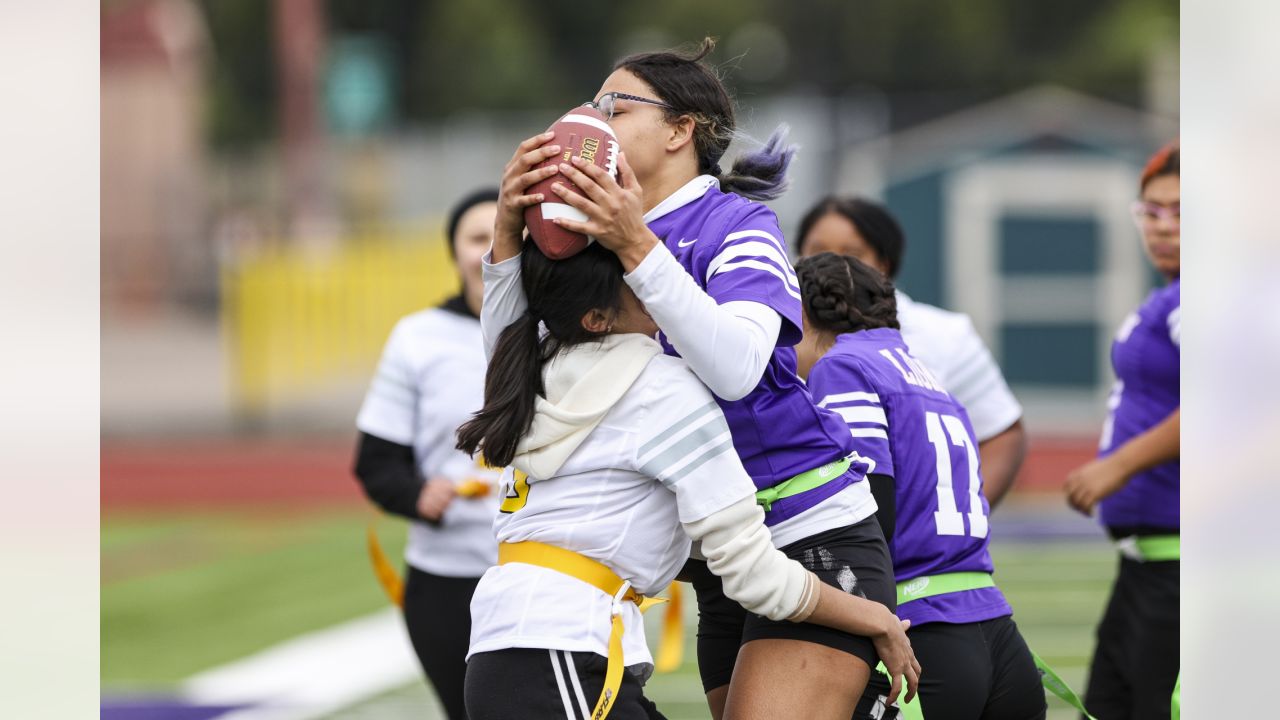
column 1148, row 366
column 733, row 248
column 906, row 426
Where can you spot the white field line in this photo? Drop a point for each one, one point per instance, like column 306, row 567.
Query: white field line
column 314, row 674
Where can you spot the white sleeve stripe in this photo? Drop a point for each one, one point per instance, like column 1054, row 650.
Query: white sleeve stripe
column 757, row 265
column 869, row 397
column 730, row 257
column 754, row 233
column 677, row 426
column 868, row 433
column 752, row 249
column 862, row 414
column 724, row 446
column 1175, row 326
column 679, row 452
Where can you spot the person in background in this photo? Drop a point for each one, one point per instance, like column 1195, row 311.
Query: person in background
column 1134, row 483
column 429, row 381
column 946, row 342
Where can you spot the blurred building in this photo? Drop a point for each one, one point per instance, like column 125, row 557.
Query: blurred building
column 154, row 55
column 1017, row 212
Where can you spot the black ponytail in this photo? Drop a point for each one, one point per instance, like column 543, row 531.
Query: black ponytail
column 560, row 293
column 841, row 294
column 511, row 383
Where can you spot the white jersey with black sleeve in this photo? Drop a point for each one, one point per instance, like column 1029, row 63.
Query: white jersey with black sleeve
column 429, row 381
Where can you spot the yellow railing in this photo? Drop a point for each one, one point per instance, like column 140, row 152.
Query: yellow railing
column 295, row 319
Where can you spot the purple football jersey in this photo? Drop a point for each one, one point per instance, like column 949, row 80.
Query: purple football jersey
column 1145, row 356
column 905, row 425
column 733, row 248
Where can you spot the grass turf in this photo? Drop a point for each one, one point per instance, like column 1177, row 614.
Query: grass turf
column 184, row 593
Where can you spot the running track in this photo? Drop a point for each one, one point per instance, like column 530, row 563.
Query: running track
column 316, row 471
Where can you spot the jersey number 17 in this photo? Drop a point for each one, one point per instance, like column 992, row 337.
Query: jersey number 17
column 949, row 519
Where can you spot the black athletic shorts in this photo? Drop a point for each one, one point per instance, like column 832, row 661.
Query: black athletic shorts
column 720, row 622
column 1136, row 661
column 854, row 558
column 973, row 671
column 548, row 685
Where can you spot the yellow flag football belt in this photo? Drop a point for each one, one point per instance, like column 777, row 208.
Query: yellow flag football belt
column 598, row 576
column 670, row 650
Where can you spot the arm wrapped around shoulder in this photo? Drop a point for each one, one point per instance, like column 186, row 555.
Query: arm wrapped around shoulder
column 757, row 575
column 728, row 346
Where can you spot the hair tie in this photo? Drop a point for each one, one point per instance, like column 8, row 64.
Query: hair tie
column 715, row 170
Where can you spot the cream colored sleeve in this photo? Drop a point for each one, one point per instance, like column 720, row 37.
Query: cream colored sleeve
column 756, row 575
column 504, row 299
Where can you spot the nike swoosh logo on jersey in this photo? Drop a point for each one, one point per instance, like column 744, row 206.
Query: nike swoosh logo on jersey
column 681, row 242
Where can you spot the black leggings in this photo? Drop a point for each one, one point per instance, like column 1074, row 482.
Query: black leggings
column 1136, row 661
column 437, row 612
column 720, row 625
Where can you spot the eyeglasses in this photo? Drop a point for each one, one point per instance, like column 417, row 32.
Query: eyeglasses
column 1149, row 213
column 608, row 102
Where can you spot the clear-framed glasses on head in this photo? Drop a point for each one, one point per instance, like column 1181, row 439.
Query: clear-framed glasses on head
column 1149, row 213
column 608, row 103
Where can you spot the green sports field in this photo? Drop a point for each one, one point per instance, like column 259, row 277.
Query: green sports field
column 183, row 593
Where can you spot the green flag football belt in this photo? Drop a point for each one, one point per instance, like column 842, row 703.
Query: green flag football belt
column 1151, row 548
column 931, row 585
column 804, row 482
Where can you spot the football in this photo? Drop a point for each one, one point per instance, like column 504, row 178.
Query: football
column 581, row 132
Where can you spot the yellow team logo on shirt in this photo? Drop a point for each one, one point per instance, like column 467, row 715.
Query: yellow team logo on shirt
column 518, row 495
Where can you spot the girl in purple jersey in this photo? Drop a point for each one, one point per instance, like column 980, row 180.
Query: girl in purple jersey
column 615, row 448
column 1135, row 481
column 920, row 450
column 710, row 267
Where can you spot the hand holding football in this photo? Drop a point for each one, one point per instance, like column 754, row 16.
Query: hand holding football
column 582, row 132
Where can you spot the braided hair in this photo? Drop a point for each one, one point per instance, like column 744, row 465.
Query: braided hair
column 841, row 294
